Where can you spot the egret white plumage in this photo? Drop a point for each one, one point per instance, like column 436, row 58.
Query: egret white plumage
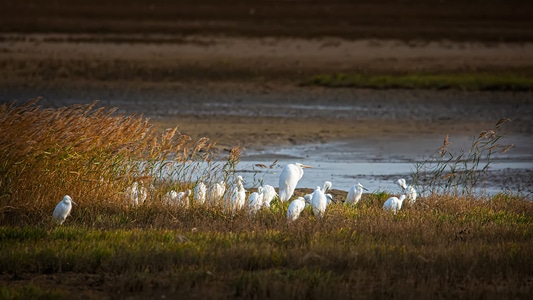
column 216, row 192
column 295, row 209
column 307, row 199
column 327, row 186
column 329, row 199
column 401, row 182
column 170, row 197
column 256, row 200
column 409, row 191
column 200, row 192
column 394, row 204
column 411, row 195
column 177, row 198
column 237, row 196
column 136, row 194
column 354, row 194
column 62, row 209
column 319, row 202
column 269, row 194
column 183, row 198
column 288, row 179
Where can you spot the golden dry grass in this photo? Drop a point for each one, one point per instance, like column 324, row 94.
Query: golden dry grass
column 91, row 154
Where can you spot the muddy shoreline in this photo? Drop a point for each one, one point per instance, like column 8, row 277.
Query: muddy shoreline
column 246, row 92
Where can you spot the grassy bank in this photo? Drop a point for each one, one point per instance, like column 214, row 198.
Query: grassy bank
column 444, row 246
column 458, row 81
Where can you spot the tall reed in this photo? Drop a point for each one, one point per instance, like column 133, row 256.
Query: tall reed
column 461, row 173
column 92, row 154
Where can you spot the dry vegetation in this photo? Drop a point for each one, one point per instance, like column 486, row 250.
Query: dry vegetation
column 443, row 247
column 91, row 154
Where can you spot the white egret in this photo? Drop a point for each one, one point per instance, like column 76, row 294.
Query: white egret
column 269, row 194
column 411, row 195
column 170, row 197
column 319, row 202
column 183, row 198
column 136, row 194
column 327, row 186
column 329, row 198
column 62, row 210
column 409, row 191
column 295, row 209
column 216, row 192
column 401, row 182
column 288, row 179
column 200, row 191
column 237, row 196
column 256, row 200
column 394, row 204
column 307, row 199
column 354, row 194
column 175, row 198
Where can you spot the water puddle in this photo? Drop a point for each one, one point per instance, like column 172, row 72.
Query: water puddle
column 376, row 168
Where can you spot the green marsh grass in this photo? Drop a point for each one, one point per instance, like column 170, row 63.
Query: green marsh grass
column 445, row 246
column 453, row 246
column 477, row 81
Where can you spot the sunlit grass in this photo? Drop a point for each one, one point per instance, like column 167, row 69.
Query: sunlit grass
column 93, row 154
column 453, row 239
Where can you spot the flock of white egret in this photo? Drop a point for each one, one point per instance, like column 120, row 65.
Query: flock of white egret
column 234, row 196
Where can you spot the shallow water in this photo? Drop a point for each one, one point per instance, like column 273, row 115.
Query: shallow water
column 377, row 167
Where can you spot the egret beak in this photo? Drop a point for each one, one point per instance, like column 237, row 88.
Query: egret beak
column 74, row 202
column 364, row 188
column 305, row 166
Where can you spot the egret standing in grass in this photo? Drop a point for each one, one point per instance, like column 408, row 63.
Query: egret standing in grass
column 175, row 198
column 288, row 179
column 183, row 198
column 237, row 196
column 319, row 202
column 269, row 194
column 295, row 209
column 62, row 210
column 200, row 191
column 409, row 191
column 354, row 194
column 216, row 192
column 393, row 204
column 327, row 186
column 136, row 194
column 256, row 200
column 170, row 197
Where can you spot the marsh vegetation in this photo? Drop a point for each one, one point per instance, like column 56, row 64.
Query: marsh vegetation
column 444, row 246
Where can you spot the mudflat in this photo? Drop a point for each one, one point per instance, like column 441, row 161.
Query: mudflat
column 247, row 91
